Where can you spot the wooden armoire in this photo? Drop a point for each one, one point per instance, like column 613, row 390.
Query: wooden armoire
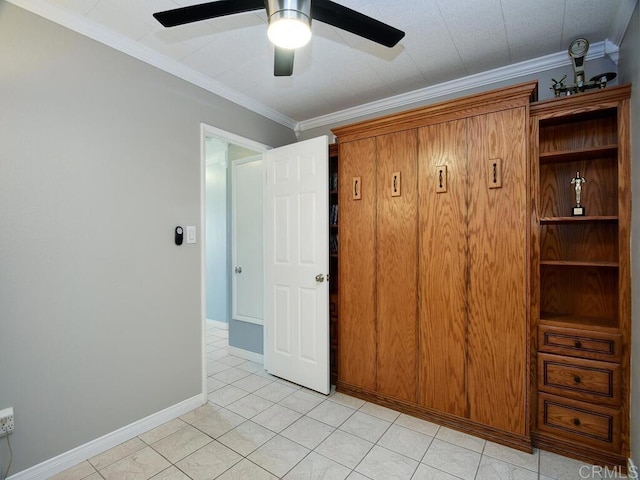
column 474, row 290
column 434, row 262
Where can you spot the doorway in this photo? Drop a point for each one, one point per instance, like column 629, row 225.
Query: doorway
column 221, row 153
column 292, row 338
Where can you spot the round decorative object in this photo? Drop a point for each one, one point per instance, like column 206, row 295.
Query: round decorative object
column 579, row 48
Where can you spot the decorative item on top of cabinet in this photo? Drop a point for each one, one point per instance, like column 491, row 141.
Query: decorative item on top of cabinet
column 333, row 263
column 434, row 317
column 580, row 297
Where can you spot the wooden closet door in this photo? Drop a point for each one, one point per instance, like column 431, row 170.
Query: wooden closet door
column 357, row 268
column 397, row 245
column 443, row 265
column 498, row 260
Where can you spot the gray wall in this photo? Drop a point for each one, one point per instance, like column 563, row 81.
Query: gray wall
column 630, row 73
column 100, row 314
column 592, row 67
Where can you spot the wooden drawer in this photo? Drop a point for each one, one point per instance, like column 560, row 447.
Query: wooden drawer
column 580, row 343
column 582, row 422
column 588, row 380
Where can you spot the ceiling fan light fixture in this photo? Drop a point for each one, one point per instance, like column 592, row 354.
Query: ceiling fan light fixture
column 289, row 23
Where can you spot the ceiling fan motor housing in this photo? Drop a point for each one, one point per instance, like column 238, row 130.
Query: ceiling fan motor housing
column 289, row 9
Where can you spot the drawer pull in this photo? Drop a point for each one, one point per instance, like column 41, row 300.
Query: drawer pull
column 576, row 422
column 578, row 344
column 577, row 379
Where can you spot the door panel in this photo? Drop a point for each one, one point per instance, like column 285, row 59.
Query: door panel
column 247, row 239
column 397, row 245
column 497, row 271
column 443, row 266
column 357, row 265
column 296, row 251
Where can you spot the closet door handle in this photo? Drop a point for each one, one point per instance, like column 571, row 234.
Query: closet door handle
column 495, row 173
column 357, row 188
column 238, row 269
column 320, row 278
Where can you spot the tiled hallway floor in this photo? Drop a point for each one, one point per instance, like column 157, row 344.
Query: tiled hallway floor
column 256, row 426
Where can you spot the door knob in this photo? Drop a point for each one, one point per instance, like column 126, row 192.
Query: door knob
column 238, row 269
column 320, row 278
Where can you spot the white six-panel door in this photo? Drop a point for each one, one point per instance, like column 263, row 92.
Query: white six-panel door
column 297, row 264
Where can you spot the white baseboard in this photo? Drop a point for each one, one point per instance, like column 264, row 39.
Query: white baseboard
column 219, row 324
column 90, row 449
column 632, row 470
column 246, row 354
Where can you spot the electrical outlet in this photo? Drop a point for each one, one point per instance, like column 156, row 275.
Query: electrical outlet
column 6, row 421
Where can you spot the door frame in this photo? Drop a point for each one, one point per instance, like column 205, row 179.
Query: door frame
column 208, row 130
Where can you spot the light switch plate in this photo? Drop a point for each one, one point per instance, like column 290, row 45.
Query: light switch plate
column 191, row 234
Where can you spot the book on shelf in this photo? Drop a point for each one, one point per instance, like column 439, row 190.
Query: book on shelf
column 333, row 181
column 333, row 215
column 333, row 244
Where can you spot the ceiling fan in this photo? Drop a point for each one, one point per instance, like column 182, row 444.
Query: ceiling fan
column 289, row 23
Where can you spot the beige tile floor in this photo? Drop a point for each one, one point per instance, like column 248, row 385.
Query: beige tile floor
column 256, row 426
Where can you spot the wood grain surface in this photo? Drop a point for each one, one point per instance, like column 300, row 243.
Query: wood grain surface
column 588, row 380
column 397, row 245
column 357, row 265
column 582, row 131
column 587, row 241
column 581, row 343
column 498, row 259
column 599, row 193
column 580, row 291
column 443, row 268
column 584, row 422
column 513, row 96
column 584, row 281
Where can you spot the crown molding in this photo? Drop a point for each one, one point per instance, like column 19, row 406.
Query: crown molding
column 508, row 72
column 88, row 28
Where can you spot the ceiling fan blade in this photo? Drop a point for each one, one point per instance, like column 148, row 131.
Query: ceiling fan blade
column 283, row 62
column 344, row 18
column 204, row 11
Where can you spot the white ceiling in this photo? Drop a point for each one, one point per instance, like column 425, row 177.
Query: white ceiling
column 337, row 71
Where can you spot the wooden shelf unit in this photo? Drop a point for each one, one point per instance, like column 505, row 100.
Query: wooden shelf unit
column 333, row 266
column 580, row 285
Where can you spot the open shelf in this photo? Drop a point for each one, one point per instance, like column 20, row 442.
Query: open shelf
column 584, row 219
column 573, row 321
column 590, row 153
column 333, row 262
column 578, row 263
